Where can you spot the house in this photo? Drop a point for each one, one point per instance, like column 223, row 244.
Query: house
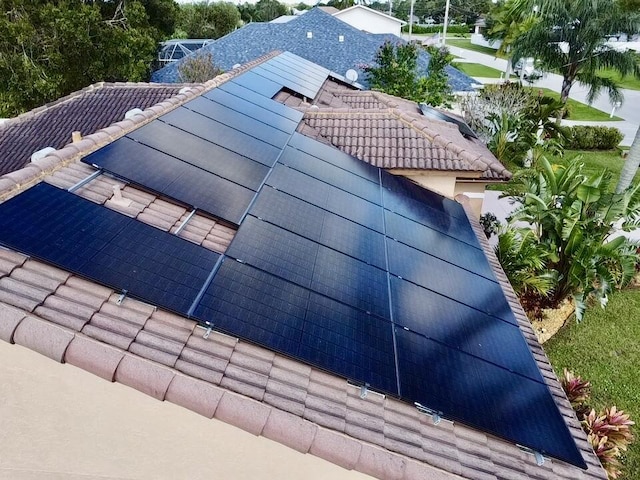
column 206, row 253
column 316, row 36
column 392, row 133
column 370, row 20
column 85, row 112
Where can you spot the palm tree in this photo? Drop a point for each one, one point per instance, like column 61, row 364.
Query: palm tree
column 630, row 165
column 569, row 37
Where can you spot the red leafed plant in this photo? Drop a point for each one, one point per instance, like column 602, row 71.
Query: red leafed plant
column 608, row 431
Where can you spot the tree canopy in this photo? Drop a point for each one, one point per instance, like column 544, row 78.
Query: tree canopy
column 569, row 37
column 262, row 11
column 207, row 20
column 52, row 48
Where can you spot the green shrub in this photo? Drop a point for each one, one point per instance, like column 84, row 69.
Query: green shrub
column 422, row 29
column 584, row 137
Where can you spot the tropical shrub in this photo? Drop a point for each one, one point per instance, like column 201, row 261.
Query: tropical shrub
column 572, row 215
column 587, row 137
column 198, row 68
column 490, row 224
column 608, row 431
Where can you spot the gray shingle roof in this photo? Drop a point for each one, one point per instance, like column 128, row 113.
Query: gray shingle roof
column 358, row 48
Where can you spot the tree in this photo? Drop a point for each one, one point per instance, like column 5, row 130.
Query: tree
column 208, row 20
column 198, row 68
column 631, row 164
column 50, row 49
column 569, row 37
column 572, row 215
column 396, row 73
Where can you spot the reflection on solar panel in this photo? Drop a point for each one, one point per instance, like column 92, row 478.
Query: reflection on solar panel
column 108, row 247
column 337, row 263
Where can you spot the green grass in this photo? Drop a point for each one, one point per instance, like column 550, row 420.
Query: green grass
column 466, row 44
column 477, row 70
column 604, row 349
column 581, row 111
column 630, row 82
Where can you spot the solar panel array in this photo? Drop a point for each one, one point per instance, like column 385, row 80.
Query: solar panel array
column 335, row 262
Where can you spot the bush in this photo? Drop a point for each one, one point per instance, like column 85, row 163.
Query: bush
column 582, row 137
column 422, row 29
column 608, row 432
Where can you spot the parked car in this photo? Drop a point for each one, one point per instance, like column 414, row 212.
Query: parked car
column 526, row 68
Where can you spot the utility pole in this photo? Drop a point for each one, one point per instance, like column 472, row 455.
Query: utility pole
column 446, row 22
column 411, row 18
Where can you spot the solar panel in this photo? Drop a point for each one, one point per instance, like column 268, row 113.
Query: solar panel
column 327, row 197
column 174, row 178
column 434, row 242
column 482, row 395
column 220, row 134
column 267, row 73
column 299, row 64
column 201, row 153
column 110, row 248
column 252, row 110
column 449, row 280
column 256, row 83
column 332, row 175
column 335, row 157
column 256, row 128
column 434, row 114
column 262, row 101
column 294, row 73
column 460, row 327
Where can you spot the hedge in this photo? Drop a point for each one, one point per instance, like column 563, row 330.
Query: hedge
column 585, row 137
column 422, row 29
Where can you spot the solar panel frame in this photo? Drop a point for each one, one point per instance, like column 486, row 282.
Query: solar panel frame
column 267, row 103
column 259, row 84
column 269, row 74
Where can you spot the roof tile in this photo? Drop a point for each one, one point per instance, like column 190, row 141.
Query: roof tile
column 198, row 371
column 143, row 375
column 95, row 357
column 158, row 356
column 422, row 471
column 336, row 448
column 244, row 413
column 10, row 260
column 380, row 463
column 244, row 381
column 67, row 320
column 290, row 430
column 10, row 318
column 284, row 402
column 43, row 337
column 198, row 396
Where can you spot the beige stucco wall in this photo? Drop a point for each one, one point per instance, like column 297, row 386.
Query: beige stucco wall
column 369, row 21
column 58, row 422
column 475, row 192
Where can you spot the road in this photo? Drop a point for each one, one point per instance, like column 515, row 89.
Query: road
column 629, row 111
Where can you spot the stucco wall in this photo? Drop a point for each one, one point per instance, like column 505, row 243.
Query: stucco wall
column 58, row 422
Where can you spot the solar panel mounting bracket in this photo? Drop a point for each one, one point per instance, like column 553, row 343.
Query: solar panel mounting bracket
column 85, row 180
column 121, row 298
column 536, row 454
column 364, row 391
column 436, row 416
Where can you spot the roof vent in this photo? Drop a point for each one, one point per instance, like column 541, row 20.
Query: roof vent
column 132, row 112
column 42, row 153
column 309, row 34
column 341, row 38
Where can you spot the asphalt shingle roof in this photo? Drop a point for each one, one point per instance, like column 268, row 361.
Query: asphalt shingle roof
column 357, row 49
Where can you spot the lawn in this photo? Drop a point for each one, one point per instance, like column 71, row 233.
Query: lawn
column 581, row 111
column 466, row 44
column 604, row 349
column 630, row 82
column 477, row 70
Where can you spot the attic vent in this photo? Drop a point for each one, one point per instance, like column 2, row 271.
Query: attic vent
column 42, row 153
column 132, row 112
column 309, row 34
column 341, row 38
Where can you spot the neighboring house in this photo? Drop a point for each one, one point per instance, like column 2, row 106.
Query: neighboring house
column 370, row 20
column 316, row 36
column 207, row 253
column 85, row 111
column 392, row 133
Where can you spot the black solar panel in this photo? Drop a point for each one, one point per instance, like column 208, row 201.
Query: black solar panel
column 483, row 395
column 256, row 83
column 252, row 110
column 384, row 284
column 87, row 239
column 260, row 100
column 434, row 114
column 220, row 134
